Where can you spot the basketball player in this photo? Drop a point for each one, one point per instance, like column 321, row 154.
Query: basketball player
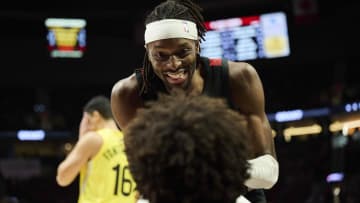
column 99, row 157
column 174, row 31
column 197, row 153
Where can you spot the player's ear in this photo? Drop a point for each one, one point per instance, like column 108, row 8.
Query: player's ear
column 96, row 114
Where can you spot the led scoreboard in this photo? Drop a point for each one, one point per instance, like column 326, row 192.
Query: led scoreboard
column 247, row 38
column 66, row 37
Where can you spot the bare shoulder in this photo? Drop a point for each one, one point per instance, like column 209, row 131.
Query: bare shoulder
column 125, row 100
column 126, row 91
column 246, row 88
column 242, row 71
column 125, row 85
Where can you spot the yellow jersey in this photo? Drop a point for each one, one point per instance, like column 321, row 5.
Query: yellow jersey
column 106, row 178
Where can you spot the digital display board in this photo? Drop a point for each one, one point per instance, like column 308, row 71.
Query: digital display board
column 247, row 38
column 66, row 37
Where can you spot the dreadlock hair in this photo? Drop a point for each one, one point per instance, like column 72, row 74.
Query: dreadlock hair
column 172, row 9
column 188, row 149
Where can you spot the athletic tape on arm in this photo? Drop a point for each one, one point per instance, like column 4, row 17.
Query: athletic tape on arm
column 264, row 172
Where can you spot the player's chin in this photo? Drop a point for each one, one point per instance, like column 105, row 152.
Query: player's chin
column 178, row 86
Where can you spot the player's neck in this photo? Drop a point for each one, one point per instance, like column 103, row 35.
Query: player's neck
column 197, row 84
column 108, row 124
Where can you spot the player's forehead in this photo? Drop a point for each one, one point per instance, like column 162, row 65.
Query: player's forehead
column 171, row 44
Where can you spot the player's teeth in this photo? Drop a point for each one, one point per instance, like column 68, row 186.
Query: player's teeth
column 176, row 75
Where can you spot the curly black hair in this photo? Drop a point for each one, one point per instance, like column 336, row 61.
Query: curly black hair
column 172, row 9
column 188, row 149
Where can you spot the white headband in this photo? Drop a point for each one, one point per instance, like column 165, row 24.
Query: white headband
column 170, row 28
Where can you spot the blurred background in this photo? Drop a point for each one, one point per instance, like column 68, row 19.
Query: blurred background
column 307, row 63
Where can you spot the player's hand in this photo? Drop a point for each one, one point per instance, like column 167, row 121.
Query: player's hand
column 84, row 125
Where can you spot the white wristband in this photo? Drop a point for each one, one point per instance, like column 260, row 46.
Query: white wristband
column 264, row 172
column 242, row 199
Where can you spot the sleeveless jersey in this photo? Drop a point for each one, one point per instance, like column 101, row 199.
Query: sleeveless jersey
column 216, row 84
column 106, row 178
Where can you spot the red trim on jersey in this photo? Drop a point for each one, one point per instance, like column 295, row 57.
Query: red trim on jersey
column 215, row 62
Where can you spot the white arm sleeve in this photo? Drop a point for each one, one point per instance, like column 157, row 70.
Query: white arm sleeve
column 264, row 172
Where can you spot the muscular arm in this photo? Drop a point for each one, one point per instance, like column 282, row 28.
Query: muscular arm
column 87, row 146
column 248, row 97
column 125, row 100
